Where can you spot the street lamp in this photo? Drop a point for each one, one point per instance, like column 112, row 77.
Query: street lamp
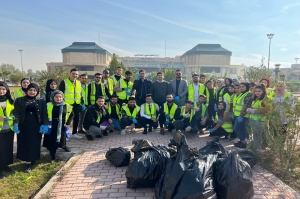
column 296, row 59
column 270, row 36
column 277, row 66
column 21, row 61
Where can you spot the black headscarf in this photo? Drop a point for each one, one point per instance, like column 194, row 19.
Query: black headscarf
column 33, row 85
column 7, row 96
column 220, row 113
column 49, row 90
column 247, row 86
column 24, row 89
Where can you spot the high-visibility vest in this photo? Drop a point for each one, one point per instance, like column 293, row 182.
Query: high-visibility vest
column 257, row 105
column 134, row 113
column 8, row 111
column 286, row 96
column 115, row 80
column 239, row 105
column 227, row 126
column 18, row 93
column 84, row 92
column 269, row 91
column 50, row 106
column 122, row 94
column 72, row 94
column 93, row 92
column 191, row 91
column 170, row 112
column 219, row 94
column 183, row 112
column 152, row 112
column 234, row 99
column 208, row 95
column 110, row 85
column 203, row 109
column 117, row 109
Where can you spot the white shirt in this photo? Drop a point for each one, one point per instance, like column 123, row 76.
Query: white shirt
column 196, row 92
column 142, row 111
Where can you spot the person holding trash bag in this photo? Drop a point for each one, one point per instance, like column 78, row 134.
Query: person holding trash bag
column 30, row 123
column 149, row 113
column 130, row 117
column 60, row 115
column 166, row 114
column 6, row 128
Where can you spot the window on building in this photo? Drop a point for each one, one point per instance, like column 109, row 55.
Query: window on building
column 233, row 71
column 211, row 69
column 58, row 68
column 85, row 68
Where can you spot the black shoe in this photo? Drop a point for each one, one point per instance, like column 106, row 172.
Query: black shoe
column 150, row 129
column 201, row 132
column 8, row 169
column 32, row 163
column 89, row 137
column 98, row 136
column 105, row 133
column 111, row 131
column 240, row 145
column 27, row 168
column 82, row 131
column 67, row 149
column 145, row 131
column 1, row 175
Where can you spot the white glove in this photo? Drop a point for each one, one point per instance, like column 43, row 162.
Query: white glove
column 197, row 109
column 251, row 110
column 188, row 129
column 248, row 110
column 187, row 115
column 103, row 127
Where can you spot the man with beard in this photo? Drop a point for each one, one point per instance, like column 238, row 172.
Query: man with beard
column 141, row 88
column 108, row 82
column 195, row 89
column 130, row 117
column 83, row 80
column 180, row 88
column 201, row 114
column 114, row 111
column 96, row 89
column 160, row 89
column 166, row 114
column 210, row 93
column 123, row 88
column 117, row 76
column 185, row 119
column 149, row 114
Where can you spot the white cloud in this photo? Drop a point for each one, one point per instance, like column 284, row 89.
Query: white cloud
column 116, row 50
column 289, row 6
column 283, row 49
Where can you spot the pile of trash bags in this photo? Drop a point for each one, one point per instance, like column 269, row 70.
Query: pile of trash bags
column 118, row 156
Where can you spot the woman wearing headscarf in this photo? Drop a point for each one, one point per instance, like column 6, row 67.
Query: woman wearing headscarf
column 30, row 121
column 21, row 92
column 60, row 116
column 51, row 86
column 6, row 128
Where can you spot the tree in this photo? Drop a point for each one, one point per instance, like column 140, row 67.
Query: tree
column 114, row 64
column 255, row 74
column 6, row 70
column 16, row 78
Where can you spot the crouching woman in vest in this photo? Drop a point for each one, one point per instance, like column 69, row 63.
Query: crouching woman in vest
column 31, row 118
column 261, row 105
column 222, row 125
column 6, row 129
column 60, row 116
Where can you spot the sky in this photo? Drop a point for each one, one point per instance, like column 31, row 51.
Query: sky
column 42, row 28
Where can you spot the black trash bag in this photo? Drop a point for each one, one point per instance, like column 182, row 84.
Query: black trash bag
column 213, row 147
column 139, row 145
column 148, row 165
column 118, row 156
column 187, row 176
column 233, row 178
column 248, row 156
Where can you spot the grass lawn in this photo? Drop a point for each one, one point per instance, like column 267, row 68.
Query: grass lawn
column 19, row 184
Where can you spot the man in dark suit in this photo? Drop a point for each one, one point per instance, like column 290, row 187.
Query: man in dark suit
column 180, row 89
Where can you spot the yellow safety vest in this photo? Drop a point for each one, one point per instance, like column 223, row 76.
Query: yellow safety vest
column 208, row 95
column 170, row 112
column 18, row 93
column 191, row 91
column 110, row 85
column 235, row 96
column 115, row 80
column 93, row 92
column 239, row 105
column 203, row 109
column 220, row 96
column 50, row 106
column 286, row 96
column 122, row 94
column 257, row 105
column 117, row 109
column 183, row 112
column 8, row 111
column 72, row 94
column 84, row 94
column 152, row 112
column 134, row 113
column 269, row 91
column 227, row 126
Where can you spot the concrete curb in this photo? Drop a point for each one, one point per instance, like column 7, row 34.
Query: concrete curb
column 55, row 179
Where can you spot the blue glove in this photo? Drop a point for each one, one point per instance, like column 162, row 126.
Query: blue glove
column 240, row 119
column 220, row 120
column 138, row 77
column 83, row 107
column 134, row 121
column 128, row 93
column 44, row 129
column 167, row 122
column 232, row 117
column 177, row 98
column 215, row 108
column 211, row 130
column 168, row 116
column 126, row 88
column 7, row 118
column 68, row 133
column 16, row 129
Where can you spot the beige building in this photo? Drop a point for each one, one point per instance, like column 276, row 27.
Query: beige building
column 87, row 57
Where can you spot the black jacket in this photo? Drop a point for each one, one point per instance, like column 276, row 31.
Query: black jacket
column 137, row 85
column 91, row 117
column 20, row 110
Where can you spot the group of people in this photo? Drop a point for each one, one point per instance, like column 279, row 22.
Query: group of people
column 116, row 103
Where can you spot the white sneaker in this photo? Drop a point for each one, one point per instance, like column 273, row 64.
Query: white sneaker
column 128, row 129
column 133, row 130
column 236, row 140
column 77, row 136
column 123, row 132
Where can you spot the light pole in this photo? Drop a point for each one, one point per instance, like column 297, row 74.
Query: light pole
column 21, row 61
column 277, row 70
column 270, row 36
column 296, row 59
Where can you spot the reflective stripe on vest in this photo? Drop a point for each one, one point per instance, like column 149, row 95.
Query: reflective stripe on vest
column 183, row 112
column 170, row 112
column 50, row 106
column 220, row 95
column 208, row 95
column 203, row 109
column 227, row 126
column 18, row 93
column 110, row 85
column 8, row 110
column 122, row 94
column 191, row 91
column 234, row 102
column 239, row 105
column 72, row 94
column 93, row 92
column 134, row 113
column 152, row 112
column 257, row 105
column 84, row 94
column 117, row 109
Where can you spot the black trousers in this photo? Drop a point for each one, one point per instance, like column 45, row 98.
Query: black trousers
column 144, row 121
column 76, row 109
column 127, row 122
column 180, row 125
column 140, row 100
column 211, row 112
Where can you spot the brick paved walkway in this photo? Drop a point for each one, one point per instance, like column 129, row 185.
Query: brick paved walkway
column 94, row 177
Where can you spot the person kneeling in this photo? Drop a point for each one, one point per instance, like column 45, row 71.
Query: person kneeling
column 201, row 114
column 149, row 113
column 167, row 113
column 185, row 119
column 130, row 117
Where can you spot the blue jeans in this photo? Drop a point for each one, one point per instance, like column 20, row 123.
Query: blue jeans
column 117, row 124
column 240, row 128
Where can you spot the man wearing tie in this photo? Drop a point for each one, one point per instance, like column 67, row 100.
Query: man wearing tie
column 149, row 114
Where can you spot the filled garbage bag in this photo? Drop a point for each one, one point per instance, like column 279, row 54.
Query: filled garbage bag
column 147, row 166
column 248, row 156
column 213, row 147
column 140, row 144
column 187, row 176
column 118, row 156
column 233, row 178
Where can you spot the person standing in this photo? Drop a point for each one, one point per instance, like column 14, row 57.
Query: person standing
column 149, row 114
column 71, row 88
column 60, row 115
column 141, row 87
column 21, row 92
column 228, row 97
column 266, row 82
column 203, row 79
column 108, row 82
column 117, row 76
column 96, row 89
column 51, row 85
column 195, row 89
column 180, row 89
column 30, row 118
column 167, row 114
column 160, row 89
column 123, row 88
column 210, row 93
column 235, row 81
column 84, row 91
column 6, row 129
